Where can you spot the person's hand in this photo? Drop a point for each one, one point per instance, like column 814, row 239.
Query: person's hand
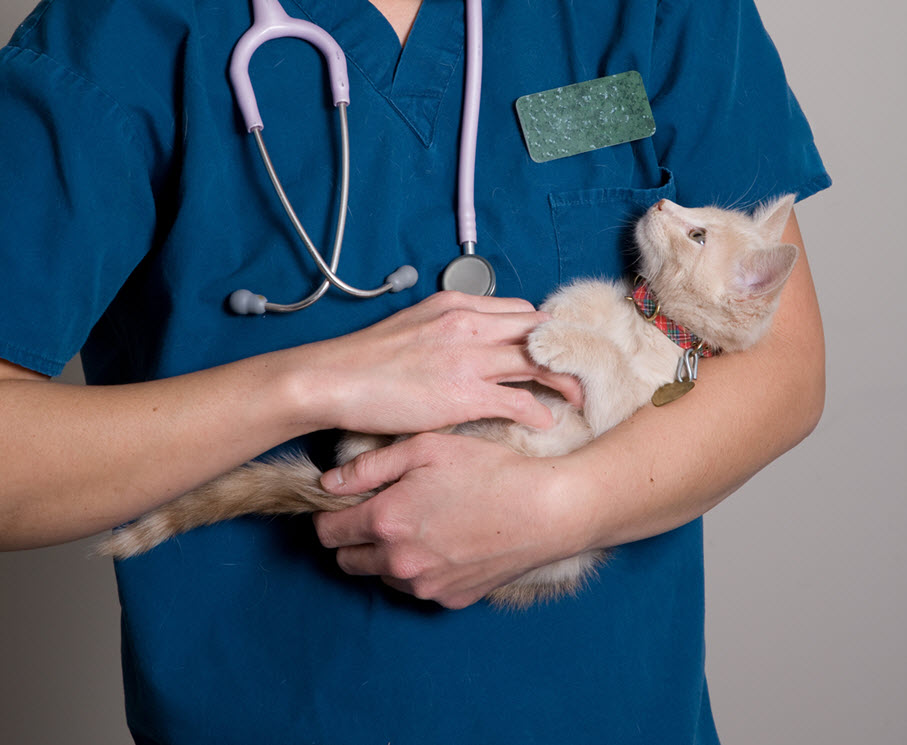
column 462, row 517
column 436, row 364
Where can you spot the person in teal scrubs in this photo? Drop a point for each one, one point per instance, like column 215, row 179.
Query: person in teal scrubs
column 132, row 203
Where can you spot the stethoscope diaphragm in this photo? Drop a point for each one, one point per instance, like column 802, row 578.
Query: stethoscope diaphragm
column 469, row 273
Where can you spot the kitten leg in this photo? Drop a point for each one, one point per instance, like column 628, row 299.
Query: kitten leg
column 283, row 486
column 612, row 392
column 589, row 302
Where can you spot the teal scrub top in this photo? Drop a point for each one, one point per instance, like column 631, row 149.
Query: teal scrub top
column 132, row 203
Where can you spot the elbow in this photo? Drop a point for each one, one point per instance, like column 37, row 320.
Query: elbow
column 814, row 403
column 807, row 402
column 10, row 530
column 797, row 367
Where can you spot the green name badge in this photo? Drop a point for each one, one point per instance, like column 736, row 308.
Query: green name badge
column 585, row 116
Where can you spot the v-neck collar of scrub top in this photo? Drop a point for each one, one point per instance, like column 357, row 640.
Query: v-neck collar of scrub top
column 414, row 79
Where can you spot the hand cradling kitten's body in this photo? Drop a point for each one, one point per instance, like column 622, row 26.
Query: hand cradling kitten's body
column 717, row 274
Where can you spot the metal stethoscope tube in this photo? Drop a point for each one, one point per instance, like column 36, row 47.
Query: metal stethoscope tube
column 246, row 302
column 329, row 271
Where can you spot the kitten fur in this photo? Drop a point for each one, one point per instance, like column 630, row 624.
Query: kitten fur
column 724, row 289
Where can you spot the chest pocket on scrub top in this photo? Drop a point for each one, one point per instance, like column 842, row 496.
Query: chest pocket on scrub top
column 594, row 227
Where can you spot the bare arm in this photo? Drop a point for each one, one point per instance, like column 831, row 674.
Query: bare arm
column 465, row 519
column 76, row 460
column 665, row 467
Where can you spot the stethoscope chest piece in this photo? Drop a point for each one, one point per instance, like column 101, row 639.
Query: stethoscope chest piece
column 469, row 273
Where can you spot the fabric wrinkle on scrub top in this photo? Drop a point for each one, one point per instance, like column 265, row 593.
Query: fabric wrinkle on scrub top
column 156, row 207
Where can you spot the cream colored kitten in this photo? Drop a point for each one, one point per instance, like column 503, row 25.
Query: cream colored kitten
column 716, row 272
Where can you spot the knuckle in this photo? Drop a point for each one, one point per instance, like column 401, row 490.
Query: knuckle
column 323, row 531
column 403, row 567
column 386, row 527
column 359, row 467
column 427, row 446
column 424, row 589
column 384, row 531
column 447, row 298
column 457, row 322
column 440, row 303
column 456, row 602
column 425, row 441
column 344, row 561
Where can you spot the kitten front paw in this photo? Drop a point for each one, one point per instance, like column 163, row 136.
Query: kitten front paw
column 565, row 347
column 548, row 345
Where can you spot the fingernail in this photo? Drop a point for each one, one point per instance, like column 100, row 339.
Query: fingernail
column 332, row 479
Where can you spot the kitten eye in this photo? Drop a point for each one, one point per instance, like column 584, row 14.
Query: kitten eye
column 698, row 235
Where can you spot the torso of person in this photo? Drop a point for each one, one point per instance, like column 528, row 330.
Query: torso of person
column 246, row 631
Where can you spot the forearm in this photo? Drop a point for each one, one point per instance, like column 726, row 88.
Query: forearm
column 666, row 466
column 463, row 517
column 80, row 459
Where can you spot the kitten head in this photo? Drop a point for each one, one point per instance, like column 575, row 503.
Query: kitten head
column 717, row 272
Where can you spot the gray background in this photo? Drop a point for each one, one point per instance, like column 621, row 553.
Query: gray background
column 805, row 589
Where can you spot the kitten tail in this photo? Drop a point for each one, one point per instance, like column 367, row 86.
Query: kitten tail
column 281, row 486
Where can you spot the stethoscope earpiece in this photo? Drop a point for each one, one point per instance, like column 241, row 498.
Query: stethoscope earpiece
column 246, row 303
column 402, row 279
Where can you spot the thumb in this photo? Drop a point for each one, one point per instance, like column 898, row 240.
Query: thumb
column 373, row 469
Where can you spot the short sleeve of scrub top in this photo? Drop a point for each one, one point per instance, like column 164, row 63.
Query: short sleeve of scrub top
column 132, row 204
column 77, row 208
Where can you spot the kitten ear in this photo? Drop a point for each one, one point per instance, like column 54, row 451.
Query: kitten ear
column 764, row 271
column 772, row 217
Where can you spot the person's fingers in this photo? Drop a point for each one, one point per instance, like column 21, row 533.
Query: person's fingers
column 519, row 405
column 480, row 303
column 567, row 385
column 375, row 468
column 348, row 527
column 360, row 560
column 511, row 364
column 509, row 328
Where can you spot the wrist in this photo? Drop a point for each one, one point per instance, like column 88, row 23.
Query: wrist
column 609, row 495
column 301, row 394
column 570, row 505
column 324, row 385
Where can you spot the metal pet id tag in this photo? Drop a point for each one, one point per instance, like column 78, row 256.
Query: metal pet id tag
column 687, row 372
column 671, row 392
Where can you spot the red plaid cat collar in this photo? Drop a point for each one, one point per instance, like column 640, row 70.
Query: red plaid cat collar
column 647, row 304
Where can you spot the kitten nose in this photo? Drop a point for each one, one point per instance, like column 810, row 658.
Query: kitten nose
column 659, row 205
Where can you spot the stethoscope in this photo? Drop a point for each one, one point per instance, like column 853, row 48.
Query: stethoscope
column 469, row 272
